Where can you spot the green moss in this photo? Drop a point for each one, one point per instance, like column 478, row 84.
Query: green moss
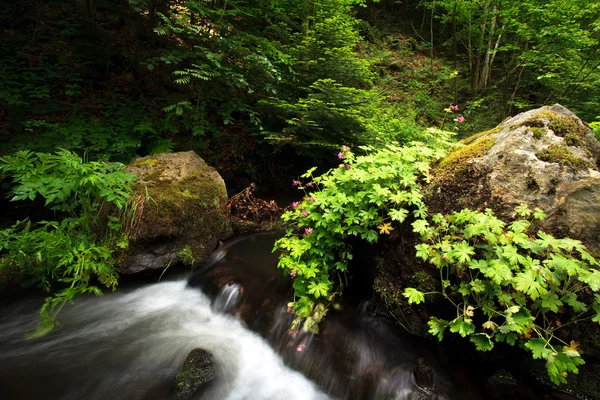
column 11, row 276
column 538, row 133
column 423, row 282
column 473, row 138
column 562, row 155
column 457, row 160
column 187, row 255
column 197, row 370
column 146, row 161
column 566, row 127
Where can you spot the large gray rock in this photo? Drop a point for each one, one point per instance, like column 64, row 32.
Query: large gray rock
column 179, row 200
column 545, row 158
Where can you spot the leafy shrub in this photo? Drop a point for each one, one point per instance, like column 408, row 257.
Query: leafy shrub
column 66, row 256
column 508, row 286
column 362, row 198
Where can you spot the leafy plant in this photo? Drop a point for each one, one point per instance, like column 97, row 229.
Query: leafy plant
column 66, row 256
column 363, row 197
column 508, row 286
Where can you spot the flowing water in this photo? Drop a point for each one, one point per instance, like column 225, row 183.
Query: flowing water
column 131, row 344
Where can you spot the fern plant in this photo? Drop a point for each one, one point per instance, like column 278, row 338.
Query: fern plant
column 509, row 286
column 67, row 256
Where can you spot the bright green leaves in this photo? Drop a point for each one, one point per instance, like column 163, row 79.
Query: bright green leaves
column 558, row 363
column 320, row 289
column 366, row 198
column 414, row 296
column 482, row 341
column 77, row 250
column 463, row 326
column 526, row 287
column 538, row 348
column 526, row 282
column 437, row 327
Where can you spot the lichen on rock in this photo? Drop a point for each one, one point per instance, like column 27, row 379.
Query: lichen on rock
column 181, row 210
column 545, row 158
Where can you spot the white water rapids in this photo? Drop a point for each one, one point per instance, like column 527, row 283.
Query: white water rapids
column 130, row 345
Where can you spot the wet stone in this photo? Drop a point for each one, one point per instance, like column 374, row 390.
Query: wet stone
column 195, row 375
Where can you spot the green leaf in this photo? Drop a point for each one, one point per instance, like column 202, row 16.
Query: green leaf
column 437, row 327
column 550, row 301
column 482, row 341
column 398, row 215
column 462, row 326
column 523, row 210
column 539, row 348
column 414, row 296
column 318, row 289
column 526, row 282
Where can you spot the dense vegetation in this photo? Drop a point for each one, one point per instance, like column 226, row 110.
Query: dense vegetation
column 264, row 89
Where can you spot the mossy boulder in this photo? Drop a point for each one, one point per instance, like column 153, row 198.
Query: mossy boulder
column 179, row 211
column 546, row 158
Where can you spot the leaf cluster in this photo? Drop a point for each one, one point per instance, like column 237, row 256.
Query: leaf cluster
column 66, row 256
column 510, row 286
column 364, row 197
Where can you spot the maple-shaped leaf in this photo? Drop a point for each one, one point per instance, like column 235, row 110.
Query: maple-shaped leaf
column 462, row 326
column 510, row 337
column 526, row 282
column 385, row 228
column 398, row 215
column 423, row 250
column 370, row 236
column 539, row 348
column 572, row 350
column 523, row 210
column 318, row 289
column 498, row 271
column 551, row 302
column 490, row 325
column 414, row 296
column 571, row 299
column 482, row 342
column 596, row 317
column 539, row 214
column 462, row 252
column 437, row 327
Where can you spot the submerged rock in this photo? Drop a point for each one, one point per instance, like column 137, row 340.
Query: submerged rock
column 545, row 158
column 179, row 200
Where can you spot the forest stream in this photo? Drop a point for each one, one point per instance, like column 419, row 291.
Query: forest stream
column 131, row 344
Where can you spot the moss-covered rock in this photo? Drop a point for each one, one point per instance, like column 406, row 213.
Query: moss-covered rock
column 545, row 158
column 179, row 211
column 197, row 371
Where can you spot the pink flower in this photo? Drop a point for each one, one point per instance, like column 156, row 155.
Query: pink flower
column 307, row 231
column 341, row 155
column 295, row 205
column 309, row 184
column 295, row 183
column 292, row 275
column 454, row 107
column 460, row 119
column 347, row 166
column 305, row 213
column 311, row 199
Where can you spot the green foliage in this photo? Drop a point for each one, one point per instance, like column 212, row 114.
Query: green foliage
column 66, row 256
column 508, row 286
column 364, row 197
column 596, row 129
